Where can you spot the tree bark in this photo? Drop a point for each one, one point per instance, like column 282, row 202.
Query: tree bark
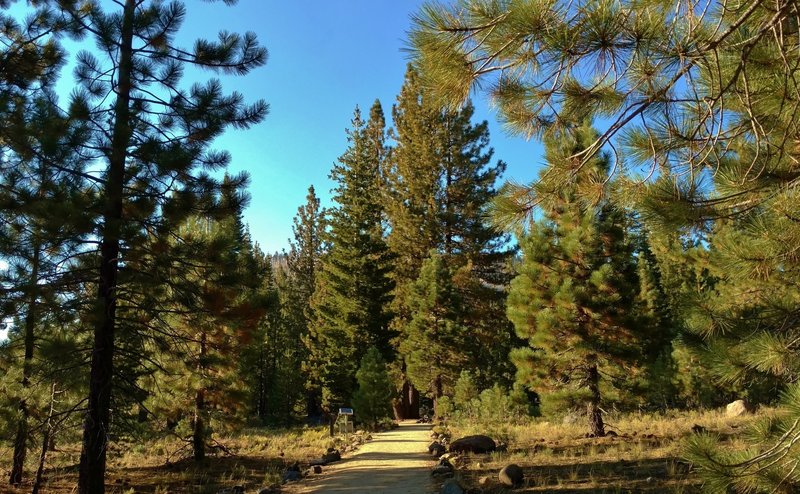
column 91, row 476
column 199, row 424
column 21, row 439
column 596, row 425
column 46, row 440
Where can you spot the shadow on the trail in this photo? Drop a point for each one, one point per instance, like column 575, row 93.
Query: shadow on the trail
column 385, row 480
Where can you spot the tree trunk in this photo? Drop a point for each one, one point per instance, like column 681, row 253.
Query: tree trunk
column 21, row 439
column 413, row 403
column 91, row 477
column 401, row 406
column 199, row 424
column 596, row 425
column 437, row 394
column 46, row 441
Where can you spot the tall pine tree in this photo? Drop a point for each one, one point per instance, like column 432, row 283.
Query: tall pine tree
column 353, row 288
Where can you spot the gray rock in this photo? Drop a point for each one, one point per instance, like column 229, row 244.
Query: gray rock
column 473, row 444
column 450, row 486
column 737, row 409
column 292, row 476
column 332, row 456
column 436, row 449
column 511, row 476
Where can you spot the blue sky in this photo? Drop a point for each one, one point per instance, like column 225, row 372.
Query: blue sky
column 325, row 57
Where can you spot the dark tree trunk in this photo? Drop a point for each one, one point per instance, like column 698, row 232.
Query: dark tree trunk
column 91, row 477
column 199, row 424
column 413, row 403
column 437, row 394
column 46, row 442
column 401, row 406
column 21, row 439
column 596, row 426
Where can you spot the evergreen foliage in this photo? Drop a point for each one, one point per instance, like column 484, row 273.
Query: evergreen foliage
column 372, row 400
column 439, row 183
column 353, row 288
column 575, row 297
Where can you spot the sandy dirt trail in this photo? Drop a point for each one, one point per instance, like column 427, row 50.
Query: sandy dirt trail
column 393, row 462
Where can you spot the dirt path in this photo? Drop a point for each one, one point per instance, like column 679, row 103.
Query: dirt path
column 394, row 462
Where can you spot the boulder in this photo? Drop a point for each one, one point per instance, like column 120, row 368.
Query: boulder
column 317, row 469
column 511, row 476
column 331, row 456
column 737, row 409
column 292, row 476
column 436, row 449
column 473, row 444
column 450, row 486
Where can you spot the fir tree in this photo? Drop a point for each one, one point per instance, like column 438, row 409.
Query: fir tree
column 435, row 339
column 353, row 288
column 372, row 399
column 439, row 184
column 303, row 261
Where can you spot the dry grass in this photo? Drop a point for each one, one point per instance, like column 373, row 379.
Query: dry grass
column 257, row 459
column 644, row 457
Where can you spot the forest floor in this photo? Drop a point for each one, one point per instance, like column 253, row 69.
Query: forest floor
column 645, row 455
column 393, row 462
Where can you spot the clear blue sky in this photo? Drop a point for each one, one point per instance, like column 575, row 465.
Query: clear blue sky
column 325, row 57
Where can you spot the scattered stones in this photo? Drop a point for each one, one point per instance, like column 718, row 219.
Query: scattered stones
column 485, row 480
column 511, row 476
column 473, row 444
column 737, row 409
column 443, row 469
column 317, row 469
column 451, row 486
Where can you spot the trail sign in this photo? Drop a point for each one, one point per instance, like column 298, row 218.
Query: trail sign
column 345, row 411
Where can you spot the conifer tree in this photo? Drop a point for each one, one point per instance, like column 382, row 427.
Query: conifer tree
column 575, row 297
column 439, row 185
column 153, row 140
column 303, row 261
column 435, row 339
column 353, row 288
column 44, row 224
column 373, row 397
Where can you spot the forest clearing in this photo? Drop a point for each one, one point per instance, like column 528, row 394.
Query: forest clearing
column 432, row 246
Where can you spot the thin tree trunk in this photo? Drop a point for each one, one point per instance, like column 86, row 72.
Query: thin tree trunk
column 437, row 394
column 46, row 440
column 199, row 426
column 91, row 477
column 413, row 403
column 21, row 439
column 596, row 425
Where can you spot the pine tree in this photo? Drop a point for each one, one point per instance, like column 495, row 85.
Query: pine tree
column 575, row 296
column 439, row 185
column 304, row 260
column 153, row 140
column 434, row 341
column 44, row 225
column 372, row 399
column 352, row 294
